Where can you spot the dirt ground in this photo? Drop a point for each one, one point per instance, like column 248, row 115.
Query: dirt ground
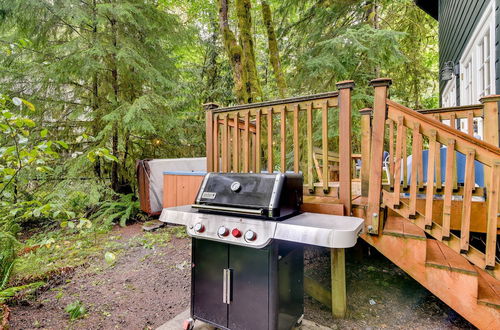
column 149, row 285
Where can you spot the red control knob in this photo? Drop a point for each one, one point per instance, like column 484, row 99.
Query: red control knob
column 199, row 228
column 236, row 232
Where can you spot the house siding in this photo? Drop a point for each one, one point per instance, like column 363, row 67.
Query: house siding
column 457, row 20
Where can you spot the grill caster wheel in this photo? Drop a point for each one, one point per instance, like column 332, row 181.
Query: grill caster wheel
column 298, row 324
column 188, row 324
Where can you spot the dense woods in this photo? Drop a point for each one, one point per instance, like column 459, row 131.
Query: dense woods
column 91, row 86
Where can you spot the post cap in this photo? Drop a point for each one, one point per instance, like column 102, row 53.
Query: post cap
column 380, row 82
column 490, row 98
column 366, row 111
column 345, row 84
column 210, row 106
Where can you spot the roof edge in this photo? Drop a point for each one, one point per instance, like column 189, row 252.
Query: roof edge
column 431, row 7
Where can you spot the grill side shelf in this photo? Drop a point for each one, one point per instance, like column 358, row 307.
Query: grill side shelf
column 324, row 230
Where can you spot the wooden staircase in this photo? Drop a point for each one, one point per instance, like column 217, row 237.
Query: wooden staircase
column 422, row 223
column 467, row 289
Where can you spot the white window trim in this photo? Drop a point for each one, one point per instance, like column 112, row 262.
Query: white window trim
column 487, row 22
column 449, row 96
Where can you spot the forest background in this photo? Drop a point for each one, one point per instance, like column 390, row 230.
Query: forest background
column 88, row 87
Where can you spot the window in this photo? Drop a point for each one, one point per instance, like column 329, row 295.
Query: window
column 477, row 68
column 449, row 98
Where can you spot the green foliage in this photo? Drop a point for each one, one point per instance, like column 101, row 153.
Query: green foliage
column 76, row 310
column 25, row 151
column 121, row 74
column 8, row 245
column 122, row 209
column 8, row 248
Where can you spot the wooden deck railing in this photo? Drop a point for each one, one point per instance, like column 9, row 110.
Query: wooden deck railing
column 485, row 112
column 287, row 125
column 402, row 131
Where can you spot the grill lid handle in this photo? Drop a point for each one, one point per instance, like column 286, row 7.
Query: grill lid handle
column 228, row 209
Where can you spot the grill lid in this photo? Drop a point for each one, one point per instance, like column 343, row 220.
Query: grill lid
column 262, row 194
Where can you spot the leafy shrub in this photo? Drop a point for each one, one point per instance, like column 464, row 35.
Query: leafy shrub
column 8, row 247
column 122, row 209
column 76, row 310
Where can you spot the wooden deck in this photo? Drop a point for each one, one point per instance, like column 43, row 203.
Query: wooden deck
column 423, row 223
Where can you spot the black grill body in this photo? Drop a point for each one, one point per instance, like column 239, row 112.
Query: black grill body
column 274, row 196
column 266, row 285
column 238, row 286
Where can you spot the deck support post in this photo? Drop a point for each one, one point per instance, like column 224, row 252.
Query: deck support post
column 490, row 128
column 339, row 296
column 490, row 118
column 209, row 131
column 366, row 134
column 345, row 141
column 381, row 87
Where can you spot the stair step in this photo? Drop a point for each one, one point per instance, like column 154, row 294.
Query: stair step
column 399, row 226
column 489, row 289
column 439, row 255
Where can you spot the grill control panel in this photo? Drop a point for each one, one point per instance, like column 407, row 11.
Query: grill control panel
column 233, row 230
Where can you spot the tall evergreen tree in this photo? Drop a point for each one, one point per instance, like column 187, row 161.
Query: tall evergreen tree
column 108, row 67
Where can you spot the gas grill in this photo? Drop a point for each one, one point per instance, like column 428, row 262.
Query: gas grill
column 247, row 248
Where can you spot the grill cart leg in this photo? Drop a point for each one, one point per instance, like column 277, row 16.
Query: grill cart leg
column 188, row 324
column 339, row 305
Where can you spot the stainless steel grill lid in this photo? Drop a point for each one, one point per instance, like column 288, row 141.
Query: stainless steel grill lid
column 272, row 195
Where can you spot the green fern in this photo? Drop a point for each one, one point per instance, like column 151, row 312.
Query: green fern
column 122, row 209
column 8, row 247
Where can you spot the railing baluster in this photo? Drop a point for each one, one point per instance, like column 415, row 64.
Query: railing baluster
column 439, row 177
column 296, row 146
column 366, row 132
column 470, row 123
column 283, row 140
column 429, row 198
column 453, row 120
column 257, row 140
column 453, row 124
column 324, row 122
column 246, row 144
column 391, row 154
column 491, row 230
column 405, row 158
column 309, row 147
column 236, row 143
column 467, row 200
column 225, row 145
column 448, row 187
column 270, row 140
column 209, row 131
column 415, row 163
column 216, row 143
column 420, row 178
column 397, row 167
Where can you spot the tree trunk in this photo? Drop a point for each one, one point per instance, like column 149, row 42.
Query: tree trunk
column 115, row 184
column 95, row 91
column 274, row 56
column 243, row 12
column 234, row 52
column 373, row 20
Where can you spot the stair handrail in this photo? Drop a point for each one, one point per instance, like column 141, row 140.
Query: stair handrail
column 400, row 119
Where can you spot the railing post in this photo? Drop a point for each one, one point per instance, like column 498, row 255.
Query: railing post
column 209, row 131
column 366, row 134
column 490, row 118
column 345, row 153
column 381, row 87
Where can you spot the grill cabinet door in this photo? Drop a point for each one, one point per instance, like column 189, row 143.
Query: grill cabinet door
column 249, row 307
column 210, row 259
